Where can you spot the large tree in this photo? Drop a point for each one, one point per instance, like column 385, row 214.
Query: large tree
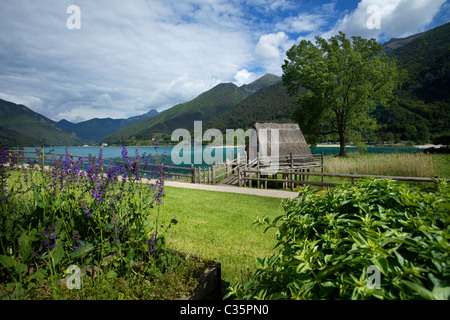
column 345, row 79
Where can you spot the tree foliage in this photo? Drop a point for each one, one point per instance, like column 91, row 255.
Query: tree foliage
column 345, row 79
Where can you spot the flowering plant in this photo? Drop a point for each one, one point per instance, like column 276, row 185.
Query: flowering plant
column 77, row 211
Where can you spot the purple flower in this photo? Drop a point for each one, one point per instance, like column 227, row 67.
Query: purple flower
column 50, row 235
column 152, row 243
column 76, row 237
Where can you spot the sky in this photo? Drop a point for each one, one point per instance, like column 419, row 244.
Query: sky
column 78, row 60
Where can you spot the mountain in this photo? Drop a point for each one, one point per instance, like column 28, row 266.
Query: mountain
column 149, row 114
column 423, row 108
column 265, row 81
column 422, row 111
column 427, row 60
column 396, row 43
column 205, row 107
column 94, row 130
column 271, row 103
column 21, row 126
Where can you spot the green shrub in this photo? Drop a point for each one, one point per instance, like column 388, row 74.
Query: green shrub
column 327, row 240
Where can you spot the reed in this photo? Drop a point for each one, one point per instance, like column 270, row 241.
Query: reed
column 417, row 164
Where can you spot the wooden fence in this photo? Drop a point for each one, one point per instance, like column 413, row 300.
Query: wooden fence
column 293, row 171
column 291, row 179
column 206, row 175
column 47, row 157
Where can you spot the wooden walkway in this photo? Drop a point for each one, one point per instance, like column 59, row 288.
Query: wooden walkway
column 232, row 180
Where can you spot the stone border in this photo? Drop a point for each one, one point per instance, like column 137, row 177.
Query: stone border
column 210, row 286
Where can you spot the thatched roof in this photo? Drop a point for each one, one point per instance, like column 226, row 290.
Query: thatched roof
column 290, row 140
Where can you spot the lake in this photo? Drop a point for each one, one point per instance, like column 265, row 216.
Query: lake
column 196, row 153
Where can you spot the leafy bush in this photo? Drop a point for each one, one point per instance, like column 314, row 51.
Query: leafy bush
column 77, row 212
column 330, row 241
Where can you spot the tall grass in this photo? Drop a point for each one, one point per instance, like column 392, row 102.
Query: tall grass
column 415, row 164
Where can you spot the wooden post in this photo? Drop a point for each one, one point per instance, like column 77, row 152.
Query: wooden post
column 204, row 175
column 292, row 169
column 193, row 173
column 196, row 171
column 436, row 185
column 239, row 176
column 257, row 174
column 213, row 174
column 323, row 168
column 209, row 175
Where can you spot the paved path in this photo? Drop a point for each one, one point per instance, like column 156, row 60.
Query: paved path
column 232, row 189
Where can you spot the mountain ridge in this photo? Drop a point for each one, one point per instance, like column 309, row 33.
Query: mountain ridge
column 20, row 125
column 205, row 107
column 94, row 130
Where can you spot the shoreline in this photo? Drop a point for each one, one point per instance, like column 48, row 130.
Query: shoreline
column 229, row 147
column 424, row 146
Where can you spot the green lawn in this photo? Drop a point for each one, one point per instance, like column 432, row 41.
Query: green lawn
column 219, row 226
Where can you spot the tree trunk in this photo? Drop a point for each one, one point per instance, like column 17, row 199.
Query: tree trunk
column 341, row 131
column 342, row 151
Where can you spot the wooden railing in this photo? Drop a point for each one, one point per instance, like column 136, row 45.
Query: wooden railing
column 46, row 158
column 293, row 170
column 224, row 170
column 288, row 180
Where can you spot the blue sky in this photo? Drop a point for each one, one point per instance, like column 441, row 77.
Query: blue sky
column 130, row 56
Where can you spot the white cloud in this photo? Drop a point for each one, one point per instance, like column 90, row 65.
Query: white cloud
column 398, row 18
column 130, row 56
column 271, row 49
column 244, row 77
column 125, row 56
column 302, row 23
column 102, row 101
column 29, row 101
column 269, row 45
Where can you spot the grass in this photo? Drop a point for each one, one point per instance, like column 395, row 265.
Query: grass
column 219, row 226
column 171, row 285
column 216, row 225
column 415, row 164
